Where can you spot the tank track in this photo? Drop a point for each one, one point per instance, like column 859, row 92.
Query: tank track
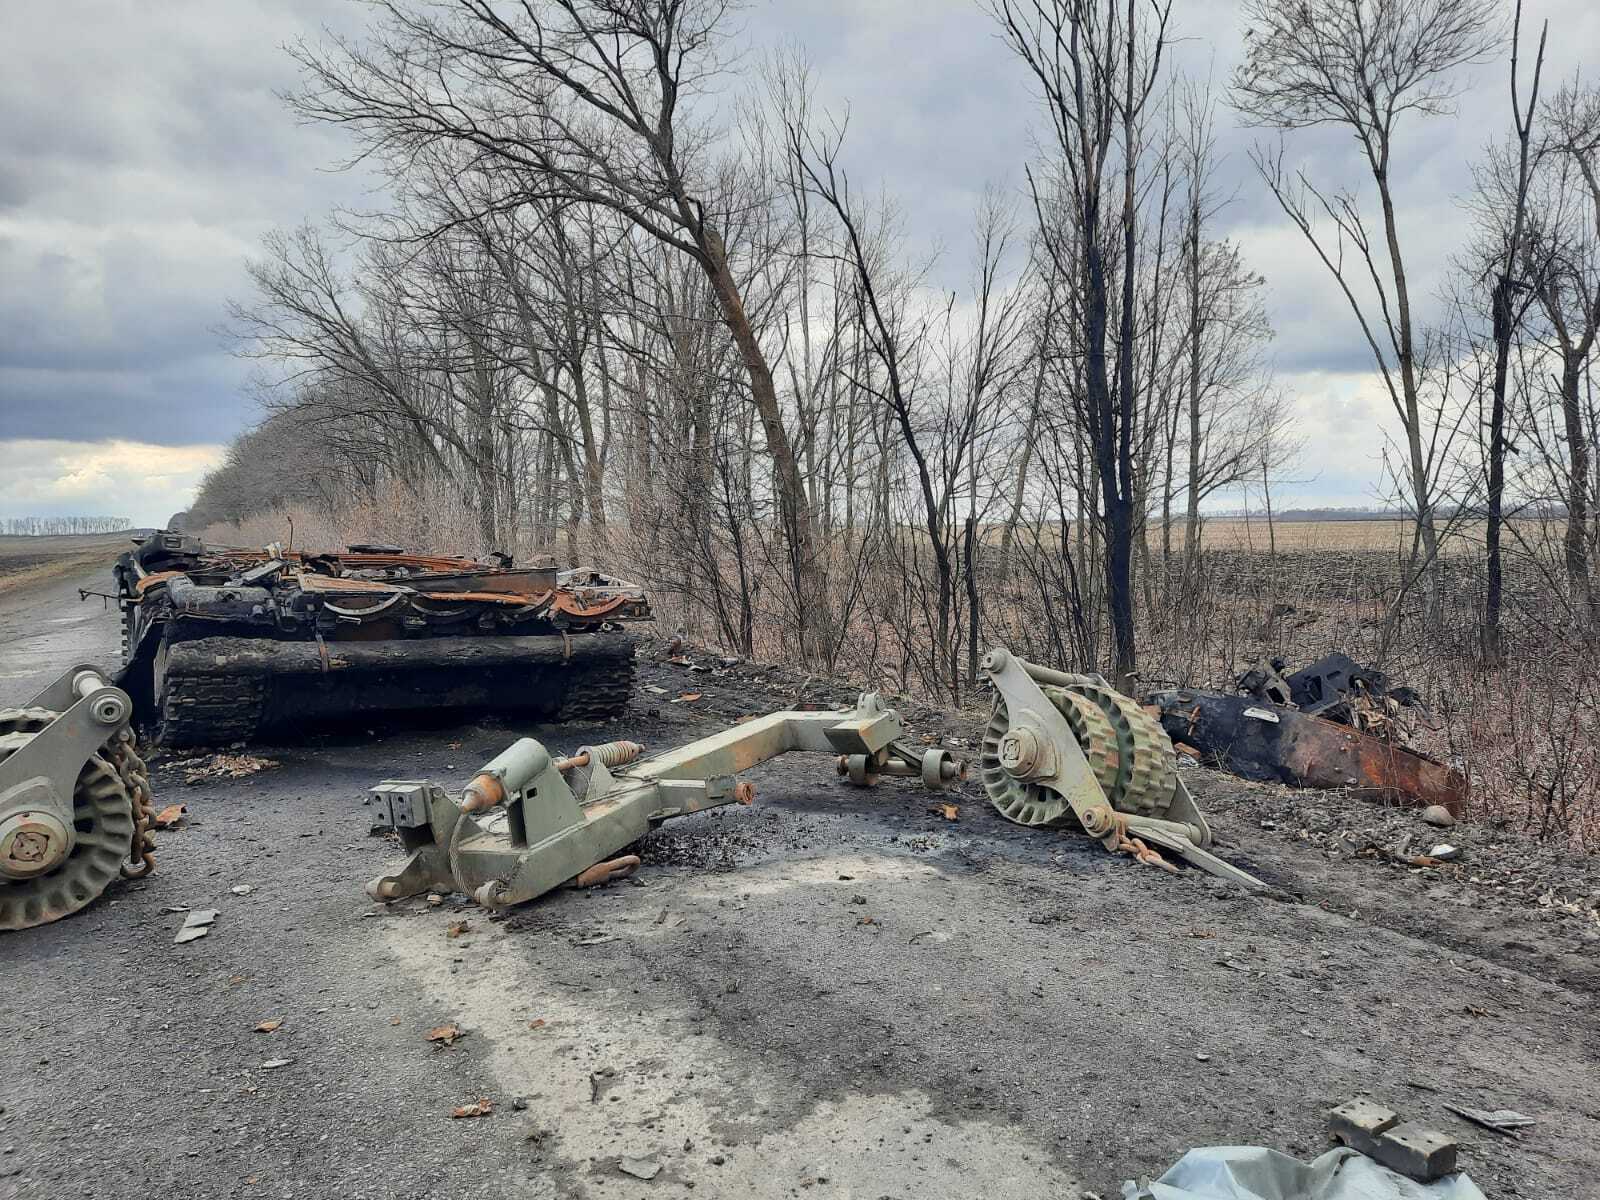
column 210, row 710
column 598, row 688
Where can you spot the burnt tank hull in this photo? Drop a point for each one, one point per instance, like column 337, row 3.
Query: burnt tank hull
column 227, row 646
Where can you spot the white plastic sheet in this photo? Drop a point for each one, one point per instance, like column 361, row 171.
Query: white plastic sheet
column 1256, row 1173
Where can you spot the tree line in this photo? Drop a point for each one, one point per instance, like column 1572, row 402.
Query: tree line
column 50, row 526
column 616, row 304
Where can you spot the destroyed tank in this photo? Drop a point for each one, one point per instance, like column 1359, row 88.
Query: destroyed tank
column 222, row 645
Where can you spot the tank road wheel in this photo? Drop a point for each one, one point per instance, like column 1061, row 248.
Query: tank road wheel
column 103, row 822
column 1129, row 753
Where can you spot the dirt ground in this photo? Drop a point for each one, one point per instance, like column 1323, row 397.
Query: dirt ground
column 26, row 561
column 1023, row 1015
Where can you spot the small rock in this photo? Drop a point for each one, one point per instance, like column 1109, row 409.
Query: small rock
column 1438, row 816
column 641, row 1168
column 1202, row 1057
column 519, row 1103
column 1444, row 852
column 272, row 1064
column 242, row 889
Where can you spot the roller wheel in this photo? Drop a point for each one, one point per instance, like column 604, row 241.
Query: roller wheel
column 1129, row 753
column 1146, row 768
column 104, row 823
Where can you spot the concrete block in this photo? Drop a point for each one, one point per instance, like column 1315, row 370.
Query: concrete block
column 1411, row 1149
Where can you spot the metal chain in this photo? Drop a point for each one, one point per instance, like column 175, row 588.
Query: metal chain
column 135, row 777
column 1119, row 842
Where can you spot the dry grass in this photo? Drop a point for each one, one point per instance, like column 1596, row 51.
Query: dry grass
column 1388, row 537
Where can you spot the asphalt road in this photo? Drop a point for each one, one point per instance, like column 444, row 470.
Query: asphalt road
column 830, row 994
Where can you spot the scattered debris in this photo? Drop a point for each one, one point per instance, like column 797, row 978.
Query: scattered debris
column 223, row 766
column 537, row 1023
column 456, row 928
column 478, row 1108
column 640, row 1168
column 599, row 939
column 1502, row 1120
column 171, row 816
column 446, row 1035
column 273, row 1064
column 241, row 889
column 1445, row 852
column 269, row 1026
column 196, row 925
column 949, row 812
column 1408, row 1148
column 686, row 698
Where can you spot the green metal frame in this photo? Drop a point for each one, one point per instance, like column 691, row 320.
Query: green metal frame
column 556, row 819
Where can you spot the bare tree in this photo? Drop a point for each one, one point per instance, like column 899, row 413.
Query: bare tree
column 1096, row 64
column 1227, row 389
column 1510, row 293
column 579, row 101
column 1363, row 65
column 1569, row 296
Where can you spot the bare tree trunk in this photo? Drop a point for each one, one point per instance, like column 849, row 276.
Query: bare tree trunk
column 793, row 511
column 1506, row 315
column 1576, row 542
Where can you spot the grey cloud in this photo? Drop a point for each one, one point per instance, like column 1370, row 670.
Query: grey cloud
column 201, row 399
column 143, row 152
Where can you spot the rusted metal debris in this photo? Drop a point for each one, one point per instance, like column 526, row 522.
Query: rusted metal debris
column 1281, row 731
column 222, row 643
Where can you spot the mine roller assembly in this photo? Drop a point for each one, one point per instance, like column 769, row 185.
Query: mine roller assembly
column 75, row 806
column 1069, row 751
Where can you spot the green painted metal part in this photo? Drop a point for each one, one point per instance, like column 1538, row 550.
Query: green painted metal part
column 67, row 815
column 1082, row 753
column 555, row 820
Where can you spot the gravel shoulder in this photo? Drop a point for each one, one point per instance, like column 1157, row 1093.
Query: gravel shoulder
column 832, row 992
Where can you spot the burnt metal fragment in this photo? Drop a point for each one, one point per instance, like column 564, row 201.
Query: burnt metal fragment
column 222, row 644
column 1272, row 743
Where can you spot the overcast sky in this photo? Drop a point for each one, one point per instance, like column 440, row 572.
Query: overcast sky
column 143, row 153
